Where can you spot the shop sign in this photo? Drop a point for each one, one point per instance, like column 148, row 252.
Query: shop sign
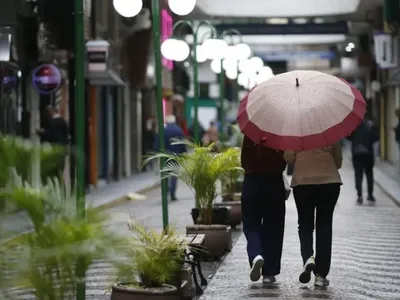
column 46, row 79
column 97, row 55
column 386, row 50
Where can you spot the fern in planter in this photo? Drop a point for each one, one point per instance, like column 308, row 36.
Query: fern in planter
column 45, row 259
column 200, row 169
column 153, row 258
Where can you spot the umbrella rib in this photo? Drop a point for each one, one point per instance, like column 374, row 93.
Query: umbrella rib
column 338, row 121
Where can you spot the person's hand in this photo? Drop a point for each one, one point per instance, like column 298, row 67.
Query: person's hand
column 41, row 130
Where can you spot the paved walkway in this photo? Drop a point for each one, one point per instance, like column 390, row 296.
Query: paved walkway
column 366, row 256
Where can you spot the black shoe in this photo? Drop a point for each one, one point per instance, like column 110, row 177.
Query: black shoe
column 173, row 198
column 371, row 198
column 359, row 200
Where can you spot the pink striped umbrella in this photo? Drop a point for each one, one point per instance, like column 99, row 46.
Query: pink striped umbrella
column 301, row 110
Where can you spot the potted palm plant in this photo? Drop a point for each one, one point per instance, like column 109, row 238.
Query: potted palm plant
column 229, row 187
column 45, row 259
column 153, row 260
column 200, row 169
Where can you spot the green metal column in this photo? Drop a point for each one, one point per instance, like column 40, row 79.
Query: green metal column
column 155, row 7
column 196, row 90
column 80, row 129
column 221, row 99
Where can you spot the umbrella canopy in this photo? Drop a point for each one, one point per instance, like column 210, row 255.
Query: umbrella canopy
column 301, row 110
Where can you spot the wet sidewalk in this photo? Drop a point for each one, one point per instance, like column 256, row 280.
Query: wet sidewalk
column 366, row 256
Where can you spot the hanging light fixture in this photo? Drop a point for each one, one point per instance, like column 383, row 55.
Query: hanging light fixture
column 128, row 8
column 182, row 7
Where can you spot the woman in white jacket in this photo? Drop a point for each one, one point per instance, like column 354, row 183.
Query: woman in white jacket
column 316, row 187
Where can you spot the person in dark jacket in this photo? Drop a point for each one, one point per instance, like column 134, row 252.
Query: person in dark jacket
column 362, row 150
column 263, row 207
column 202, row 132
column 57, row 134
column 171, row 131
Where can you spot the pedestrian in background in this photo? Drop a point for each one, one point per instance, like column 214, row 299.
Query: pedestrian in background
column 316, row 187
column 57, row 134
column 397, row 130
column 173, row 131
column 263, row 208
column 363, row 158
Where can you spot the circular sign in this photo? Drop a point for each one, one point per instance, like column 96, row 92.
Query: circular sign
column 46, row 79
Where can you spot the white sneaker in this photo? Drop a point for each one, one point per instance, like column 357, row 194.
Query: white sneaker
column 309, row 266
column 258, row 264
column 321, row 281
column 269, row 279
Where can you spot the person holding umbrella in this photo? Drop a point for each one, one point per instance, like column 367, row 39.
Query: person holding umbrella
column 306, row 114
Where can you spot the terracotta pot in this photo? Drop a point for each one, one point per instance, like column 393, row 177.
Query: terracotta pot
column 235, row 216
column 166, row 292
column 217, row 239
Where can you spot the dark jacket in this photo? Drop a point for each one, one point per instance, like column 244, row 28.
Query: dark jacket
column 57, row 132
column 363, row 139
column 258, row 159
column 397, row 132
column 171, row 131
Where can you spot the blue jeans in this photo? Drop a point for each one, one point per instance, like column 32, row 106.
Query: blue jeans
column 263, row 208
column 172, row 184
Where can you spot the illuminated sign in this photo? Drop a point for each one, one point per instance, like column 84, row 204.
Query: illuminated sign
column 167, row 26
column 46, row 79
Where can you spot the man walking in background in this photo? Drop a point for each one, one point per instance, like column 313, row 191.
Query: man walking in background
column 172, row 130
column 57, row 134
column 363, row 139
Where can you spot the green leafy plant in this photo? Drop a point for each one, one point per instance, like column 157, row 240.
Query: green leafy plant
column 231, row 177
column 45, row 259
column 19, row 154
column 153, row 258
column 200, row 169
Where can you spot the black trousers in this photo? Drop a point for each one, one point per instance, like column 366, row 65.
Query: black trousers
column 364, row 164
column 263, row 208
column 315, row 206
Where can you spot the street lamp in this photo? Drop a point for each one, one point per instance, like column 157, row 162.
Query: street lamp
column 181, row 7
column 211, row 48
column 229, row 64
column 128, row 8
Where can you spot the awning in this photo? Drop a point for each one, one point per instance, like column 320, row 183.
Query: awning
column 107, row 78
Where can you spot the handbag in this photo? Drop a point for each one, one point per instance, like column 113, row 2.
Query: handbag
column 287, row 187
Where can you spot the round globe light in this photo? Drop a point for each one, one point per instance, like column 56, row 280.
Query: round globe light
column 229, row 63
column 242, row 51
column 266, row 71
column 202, row 54
column 256, row 63
column 182, row 7
column 232, row 73
column 245, row 66
column 243, row 79
column 215, row 48
column 182, row 51
column 168, row 48
column 216, row 66
column 231, row 53
column 128, row 8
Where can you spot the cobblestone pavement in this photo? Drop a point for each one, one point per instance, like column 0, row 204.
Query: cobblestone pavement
column 366, row 257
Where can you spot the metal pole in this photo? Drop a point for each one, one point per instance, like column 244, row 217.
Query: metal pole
column 155, row 7
column 80, row 130
column 196, row 90
column 221, row 98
